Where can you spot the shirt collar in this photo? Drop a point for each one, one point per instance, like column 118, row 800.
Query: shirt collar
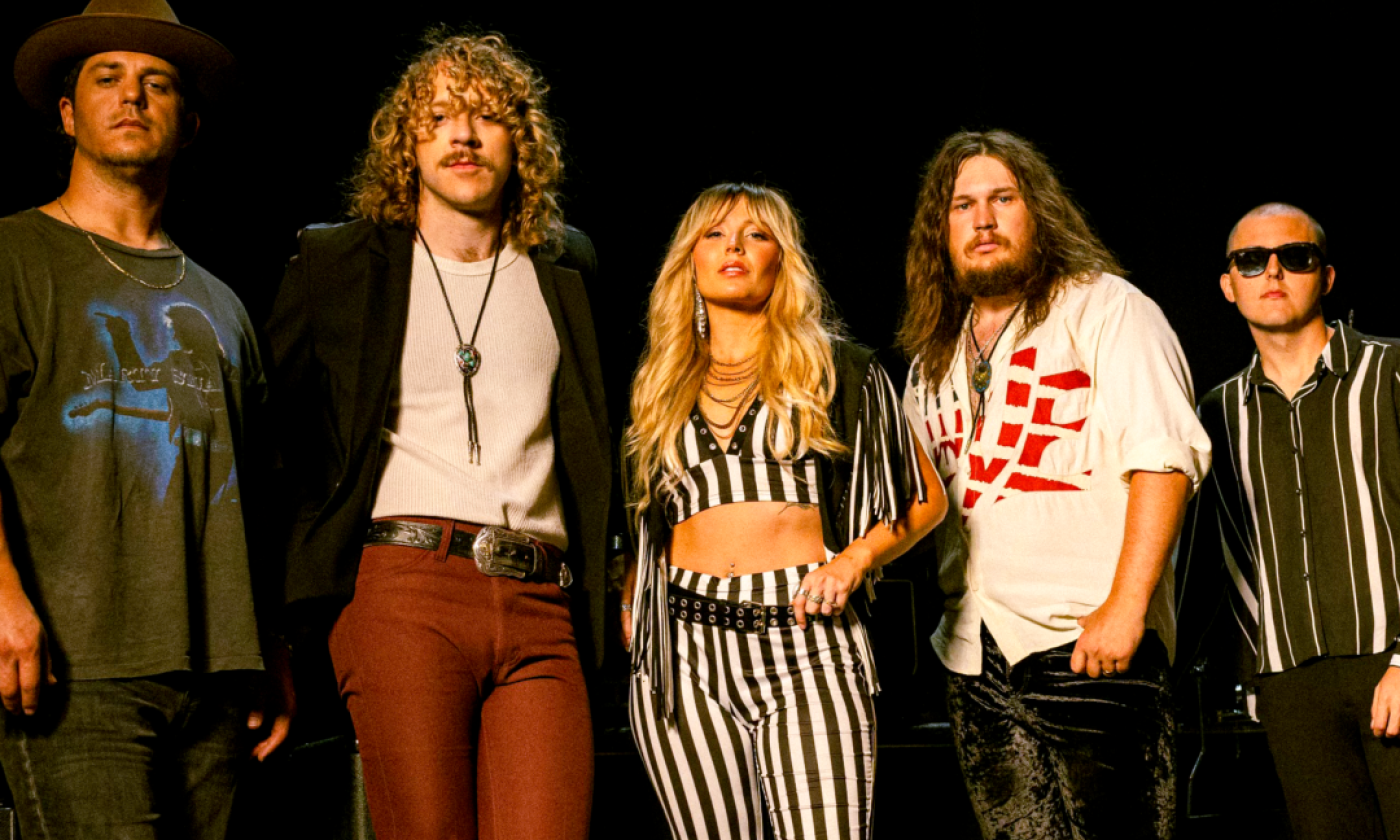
column 1337, row 357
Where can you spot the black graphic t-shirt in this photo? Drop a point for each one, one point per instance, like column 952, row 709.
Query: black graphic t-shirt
column 121, row 423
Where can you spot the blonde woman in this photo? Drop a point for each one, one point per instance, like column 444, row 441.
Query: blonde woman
column 771, row 473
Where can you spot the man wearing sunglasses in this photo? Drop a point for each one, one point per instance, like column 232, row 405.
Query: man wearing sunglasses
column 1306, row 499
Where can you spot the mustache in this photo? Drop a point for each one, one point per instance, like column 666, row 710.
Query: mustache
column 454, row 158
column 993, row 236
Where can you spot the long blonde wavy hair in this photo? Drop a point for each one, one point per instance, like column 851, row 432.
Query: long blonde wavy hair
column 797, row 375
column 483, row 71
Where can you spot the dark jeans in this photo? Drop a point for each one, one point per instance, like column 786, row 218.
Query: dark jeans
column 1340, row 781
column 468, row 700
column 1049, row 754
column 130, row 759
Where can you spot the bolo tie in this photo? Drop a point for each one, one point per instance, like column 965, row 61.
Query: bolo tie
column 468, row 355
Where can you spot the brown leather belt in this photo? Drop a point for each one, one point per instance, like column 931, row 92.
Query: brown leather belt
column 499, row 552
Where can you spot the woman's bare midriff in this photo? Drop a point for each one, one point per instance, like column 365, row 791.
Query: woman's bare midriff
column 753, row 536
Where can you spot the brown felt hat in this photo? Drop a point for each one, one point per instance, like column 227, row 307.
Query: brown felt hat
column 144, row 26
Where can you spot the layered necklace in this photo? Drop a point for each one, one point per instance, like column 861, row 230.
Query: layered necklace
column 468, row 355
column 113, row 263
column 980, row 362
column 742, row 375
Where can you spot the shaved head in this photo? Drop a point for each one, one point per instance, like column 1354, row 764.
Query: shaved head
column 1278, row 208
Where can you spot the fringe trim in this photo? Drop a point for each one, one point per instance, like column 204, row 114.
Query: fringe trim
column 885, row 475
column 651, row 632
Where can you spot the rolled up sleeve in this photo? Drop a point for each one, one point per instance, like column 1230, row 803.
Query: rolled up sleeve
column 1150, row 401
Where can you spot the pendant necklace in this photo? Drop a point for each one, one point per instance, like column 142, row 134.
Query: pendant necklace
column 982, row 370
column 981, row 373
column 468, row 356
column 113, row 263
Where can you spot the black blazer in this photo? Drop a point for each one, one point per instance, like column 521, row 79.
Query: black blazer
column 336, row 335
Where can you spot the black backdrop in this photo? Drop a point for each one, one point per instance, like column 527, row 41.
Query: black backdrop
column 1166, row 129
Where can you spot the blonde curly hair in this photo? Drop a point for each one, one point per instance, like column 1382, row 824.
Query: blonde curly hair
column 484, row 72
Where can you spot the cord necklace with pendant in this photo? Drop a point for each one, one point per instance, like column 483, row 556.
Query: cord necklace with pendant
column 468, row 355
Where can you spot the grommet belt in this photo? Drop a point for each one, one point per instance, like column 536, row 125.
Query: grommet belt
column 741, row 616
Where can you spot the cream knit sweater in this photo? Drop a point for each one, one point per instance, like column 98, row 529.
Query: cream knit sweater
column 426, row 469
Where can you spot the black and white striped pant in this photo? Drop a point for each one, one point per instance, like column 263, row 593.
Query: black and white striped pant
column 783, row 720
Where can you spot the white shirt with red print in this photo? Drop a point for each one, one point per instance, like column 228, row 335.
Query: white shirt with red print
column 1098, row 391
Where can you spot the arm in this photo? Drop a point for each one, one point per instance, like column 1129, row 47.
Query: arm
column 1156, row 505
column 1385, row 702
column 285, row 346
column 24, row 654
column 274, row 698
column 629, row 587
column 835, row 581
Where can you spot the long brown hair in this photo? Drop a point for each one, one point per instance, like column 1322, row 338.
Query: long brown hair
column 1063, row 249
column 482, row 69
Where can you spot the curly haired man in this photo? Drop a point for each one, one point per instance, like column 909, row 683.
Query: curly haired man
column 445, row 453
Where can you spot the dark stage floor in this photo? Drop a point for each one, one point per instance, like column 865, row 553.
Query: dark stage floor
column 918, row 791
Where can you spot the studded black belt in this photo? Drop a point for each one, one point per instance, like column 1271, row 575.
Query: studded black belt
column 743, row 616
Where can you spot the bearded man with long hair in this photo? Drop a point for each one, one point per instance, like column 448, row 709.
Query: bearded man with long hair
column 771, row 474
column 1056, row 404
column 446, row 453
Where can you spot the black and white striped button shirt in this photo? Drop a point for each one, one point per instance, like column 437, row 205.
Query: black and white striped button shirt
column 745, row 471
column 1304, row 503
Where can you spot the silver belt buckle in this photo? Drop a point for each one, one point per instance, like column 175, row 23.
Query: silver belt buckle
column 753, row 618
column 493, row 547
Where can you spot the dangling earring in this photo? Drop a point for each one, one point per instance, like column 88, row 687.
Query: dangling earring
column 702, row 320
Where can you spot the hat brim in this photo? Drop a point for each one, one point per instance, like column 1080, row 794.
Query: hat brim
column 55, row 45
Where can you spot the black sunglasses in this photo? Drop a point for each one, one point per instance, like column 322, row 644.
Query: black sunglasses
column 1295, row 256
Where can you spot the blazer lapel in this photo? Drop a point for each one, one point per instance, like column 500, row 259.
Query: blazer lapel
column 579, row 426
column 383, row 323
column 570, row 376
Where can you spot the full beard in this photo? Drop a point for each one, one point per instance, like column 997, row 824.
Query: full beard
column 1006, row 277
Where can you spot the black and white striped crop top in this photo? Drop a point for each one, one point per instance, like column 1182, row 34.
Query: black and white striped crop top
column 746, row 472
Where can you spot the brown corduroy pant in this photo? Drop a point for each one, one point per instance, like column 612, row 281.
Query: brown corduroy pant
column 468, row 700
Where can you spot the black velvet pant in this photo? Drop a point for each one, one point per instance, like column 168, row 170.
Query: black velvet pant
column 1049, row 754
column 1340, row 781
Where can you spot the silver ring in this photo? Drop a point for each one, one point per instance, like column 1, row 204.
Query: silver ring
column 626, row 607
column 805, row 593
column 816, row 599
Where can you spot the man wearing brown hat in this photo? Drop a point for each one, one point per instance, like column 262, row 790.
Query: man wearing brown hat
column 129, row 638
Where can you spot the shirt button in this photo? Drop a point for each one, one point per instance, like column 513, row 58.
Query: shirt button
column 712, row 446
column 743, row 428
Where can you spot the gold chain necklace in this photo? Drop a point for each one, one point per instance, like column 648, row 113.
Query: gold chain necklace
column 738, row 404
column 112, row 263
